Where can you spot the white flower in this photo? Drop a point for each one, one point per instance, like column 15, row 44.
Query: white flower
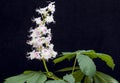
column 41, row 35
column 48, row 38
column 34, row 42
column 51, row 46
column 49, row 19
column 37, row 20
column 43, row 29
column 51, row 7
column 35, row 33
column 42, row 10
column 33, row 55
column 45, row 54
column 53, row 53
column 39, row 31
column 49, row 32
column 38, row 42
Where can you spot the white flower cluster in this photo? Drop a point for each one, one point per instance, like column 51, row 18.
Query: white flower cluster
column 41, row 35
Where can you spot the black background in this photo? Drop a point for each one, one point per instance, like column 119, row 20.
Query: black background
column 80, row 24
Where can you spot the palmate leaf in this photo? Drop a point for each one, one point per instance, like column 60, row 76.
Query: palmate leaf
column 65, row 55
column 88, row 80
column 90, row 53
column 66, row 79
column 86, row 65
column 69, row 78
column 55, row 81
column 68, row 69
column 103, row 78
column 78, row 75
column 105, row 57
column 28, row 77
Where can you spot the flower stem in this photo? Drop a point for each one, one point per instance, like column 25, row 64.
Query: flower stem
column 45, row 66
column 50, row 74
column 74, row 66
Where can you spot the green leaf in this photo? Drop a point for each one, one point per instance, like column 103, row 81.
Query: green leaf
column 18, row 79
column 67, row 69
column 78, row 75
column 88, row 80
column 55, row 81
column 69, row 78
column 27, row 76
column 86, row 65
column 90, row 53
column 27, row 72
column 105, row 57
column 104, row 78
column 65, row 55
